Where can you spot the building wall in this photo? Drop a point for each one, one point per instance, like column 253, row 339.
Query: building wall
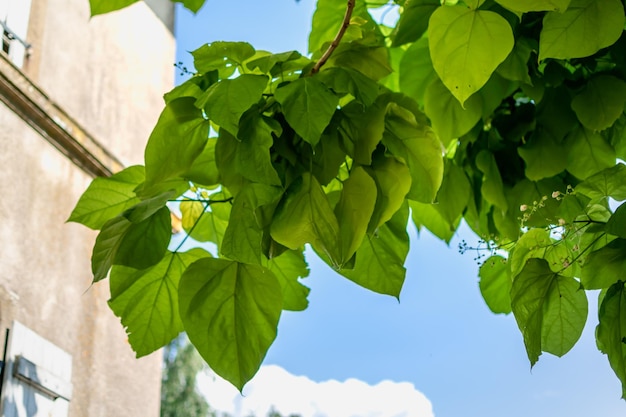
column 108, row 73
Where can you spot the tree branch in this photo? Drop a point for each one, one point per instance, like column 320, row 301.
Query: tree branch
column 333, row 45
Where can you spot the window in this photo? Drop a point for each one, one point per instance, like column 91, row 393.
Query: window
column 37, row 378
column 14, row 26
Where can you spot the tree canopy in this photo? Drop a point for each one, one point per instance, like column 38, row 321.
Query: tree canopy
column 508, row 115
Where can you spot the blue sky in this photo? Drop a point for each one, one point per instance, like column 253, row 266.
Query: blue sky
column 441, row 337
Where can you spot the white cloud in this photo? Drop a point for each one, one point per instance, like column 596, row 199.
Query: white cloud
column 289, row 394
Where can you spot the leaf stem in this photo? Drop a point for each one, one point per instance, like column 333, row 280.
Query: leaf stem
column 335, row 43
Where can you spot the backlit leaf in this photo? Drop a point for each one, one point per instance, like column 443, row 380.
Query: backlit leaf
column 147, row 300
column 492, row 187
column 610, row 182
column 417, row 73
column 495, row 284
column 617, row 223
column 178, row 138
column 226, row 101
column 107, row 197
column 222, row 56
column 244, row 235
column 583, row 29
column 543, row 155
column 466, row 46
column 549, row 309
column 305, row 216
column 611, row 330
column 230, row 312
column 605, row 266
column 393, row 182
column 288, row 268
column 524, row 6
column 379, row 263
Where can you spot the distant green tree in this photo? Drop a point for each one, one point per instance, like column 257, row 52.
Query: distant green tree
column 179, row 396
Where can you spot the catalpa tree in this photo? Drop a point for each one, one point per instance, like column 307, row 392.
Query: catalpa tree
column 506, row 114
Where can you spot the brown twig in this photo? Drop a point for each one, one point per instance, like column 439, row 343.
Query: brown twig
column 333, row 45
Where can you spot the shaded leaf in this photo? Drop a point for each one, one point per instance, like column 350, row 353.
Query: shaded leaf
column 588, row 153
column 413, row 21
column 420, row 149
column 610, row 182
column 601, row 102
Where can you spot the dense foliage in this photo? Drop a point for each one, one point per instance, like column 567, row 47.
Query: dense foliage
column 507, row 114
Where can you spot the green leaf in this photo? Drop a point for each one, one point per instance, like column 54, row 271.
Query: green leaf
column 582, row 30
column 287, row 268
column 363, row 129
column 244, row 235
column 354, row 211
column 492, row 188
column 417, row 73
column 453, row 194
column 543, row 155
column 564, row 316
column 428, row 215
column 515, row 66
column 380, row 258
column 230, row 312
column 588, row 153
column 226, row 101
column 601, row 102
column 349, row 81
column 308, row 106
column 466, row 46
column 550, row 309
column 105, row 198
column 449, row 119
column 178, row 138
column 610, row 182
column 204, row 171
column 256, row 135
column 147, row 300
column 413, row 21
column 212, row 224
column 524, row 6
column 191, row 211
column 193, row 5
column 106, row 6
column 305, row 216
column 222, row 56
column 420, row 149
column 145, row 242
column 495, row 284
column 328, row 18
column 107, row 244
column 605, row 266
column 393, row 182
column 617, row 223
column 536, row 243
column 611, row 330
column 372, row 61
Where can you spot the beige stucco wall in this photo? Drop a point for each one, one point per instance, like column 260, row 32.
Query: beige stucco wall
column 109, row 73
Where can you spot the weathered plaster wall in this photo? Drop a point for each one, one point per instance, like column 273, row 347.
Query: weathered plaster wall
column 109, row 73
